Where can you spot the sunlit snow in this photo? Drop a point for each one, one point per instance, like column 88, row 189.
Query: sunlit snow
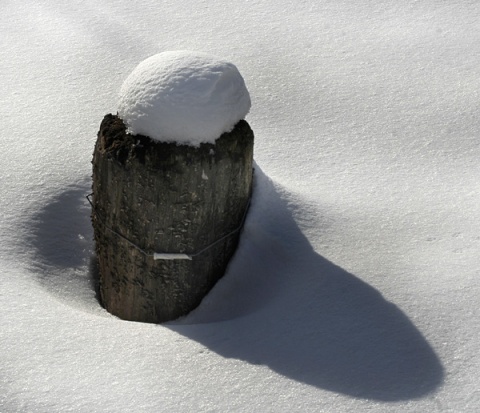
column 184, row 97
column 355, row 287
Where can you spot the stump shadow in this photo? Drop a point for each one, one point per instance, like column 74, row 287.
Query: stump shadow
column 309, row 320
column 61, row 240
column 281, row 304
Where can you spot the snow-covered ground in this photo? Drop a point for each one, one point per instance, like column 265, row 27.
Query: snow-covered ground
column 355, row 287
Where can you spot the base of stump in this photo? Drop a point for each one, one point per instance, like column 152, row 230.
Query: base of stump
column 153, row 197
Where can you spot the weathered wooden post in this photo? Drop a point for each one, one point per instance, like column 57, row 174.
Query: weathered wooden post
column 172, row 180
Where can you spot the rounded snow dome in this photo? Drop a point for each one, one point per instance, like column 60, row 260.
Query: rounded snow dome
column 184, row 97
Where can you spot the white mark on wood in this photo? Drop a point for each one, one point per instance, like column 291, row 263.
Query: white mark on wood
column 160, row 256
column 204, row 175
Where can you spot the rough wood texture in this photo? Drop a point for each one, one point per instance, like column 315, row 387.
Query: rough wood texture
column 171, row 199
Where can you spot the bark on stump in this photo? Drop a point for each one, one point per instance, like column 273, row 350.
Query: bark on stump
column 153, row 197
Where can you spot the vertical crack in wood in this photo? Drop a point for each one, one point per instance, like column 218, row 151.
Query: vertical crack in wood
column 156, row 195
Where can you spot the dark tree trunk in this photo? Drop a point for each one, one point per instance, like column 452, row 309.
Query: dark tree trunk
column 152, row 197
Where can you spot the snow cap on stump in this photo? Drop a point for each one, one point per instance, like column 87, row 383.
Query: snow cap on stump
column 184, row 97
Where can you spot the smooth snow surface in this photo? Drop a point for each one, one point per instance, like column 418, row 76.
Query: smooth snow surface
column 184, row 97
column 355, row 287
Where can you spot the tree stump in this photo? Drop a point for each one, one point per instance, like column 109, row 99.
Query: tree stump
column 152, row 198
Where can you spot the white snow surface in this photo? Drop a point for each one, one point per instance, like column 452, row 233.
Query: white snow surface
column 184, row 97
column 355, row 287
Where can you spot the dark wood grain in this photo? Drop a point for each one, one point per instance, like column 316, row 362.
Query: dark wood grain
column 165, row 198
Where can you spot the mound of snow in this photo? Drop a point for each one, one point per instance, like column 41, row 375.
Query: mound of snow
column 184, row 97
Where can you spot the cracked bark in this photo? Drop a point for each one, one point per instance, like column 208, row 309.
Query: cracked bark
column 165, row 198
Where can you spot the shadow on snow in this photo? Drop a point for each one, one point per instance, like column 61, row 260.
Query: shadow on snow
column 281, row 304
column 61, row 237
column 284, row 306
